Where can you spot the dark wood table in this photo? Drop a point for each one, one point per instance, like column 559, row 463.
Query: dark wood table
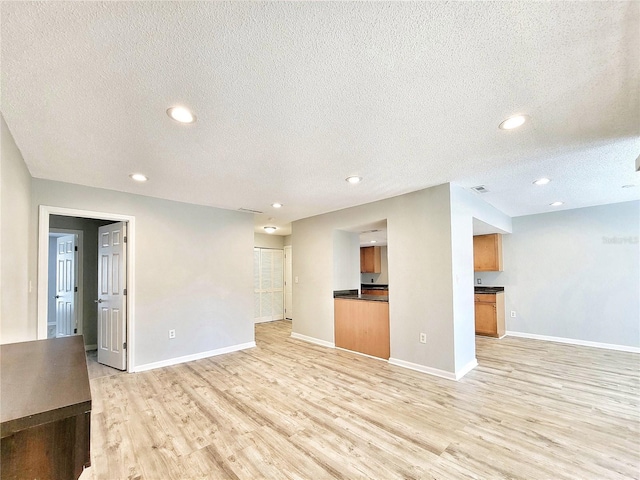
column 45, row 409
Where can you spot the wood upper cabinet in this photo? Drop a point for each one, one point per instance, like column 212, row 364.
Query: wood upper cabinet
column 370, row 260
column 490, row 314
column 487, row 253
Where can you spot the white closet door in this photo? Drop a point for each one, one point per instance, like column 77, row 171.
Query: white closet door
column 278, row 284
column 256, row 283
column 268, row 274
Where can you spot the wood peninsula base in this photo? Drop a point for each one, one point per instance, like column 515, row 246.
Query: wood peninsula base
column 362, row 326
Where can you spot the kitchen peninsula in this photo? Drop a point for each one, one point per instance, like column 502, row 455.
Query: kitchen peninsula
column 362, row 323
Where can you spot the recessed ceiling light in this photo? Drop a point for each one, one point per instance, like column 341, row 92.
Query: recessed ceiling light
column 542, row 181
column 556, row 204
column 138, row 177
column 513, row 122
column 269, row 229
column 353, row 179
column 373, row 241
column 181, row 114
column 276, row 205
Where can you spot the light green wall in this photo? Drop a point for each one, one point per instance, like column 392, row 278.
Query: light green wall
column 15, row 196
column 193, row 269
column 264, row 240
column 574, row 274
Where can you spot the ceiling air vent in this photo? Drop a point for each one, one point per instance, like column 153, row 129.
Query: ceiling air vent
column 248, row 210
column 479, row 189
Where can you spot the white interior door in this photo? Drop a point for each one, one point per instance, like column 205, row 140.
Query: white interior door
column 66, row 318
column 112, row 320
column 288, row 283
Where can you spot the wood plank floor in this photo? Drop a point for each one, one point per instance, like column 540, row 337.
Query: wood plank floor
column 288, row 409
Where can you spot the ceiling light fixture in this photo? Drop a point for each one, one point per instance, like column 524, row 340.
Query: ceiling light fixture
column 373, row 241
column 276, row 205
column 513, row 122
column 181, row 114
column 353, row 179
column 138, row 177
column 270, row 229
column 542, row 181
column 556, row 204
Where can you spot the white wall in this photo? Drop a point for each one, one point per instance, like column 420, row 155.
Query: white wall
column 194, row 269
column 346, row 260
column 15, row 196
column 264, row 240
column 421, row 275
column 574, row 274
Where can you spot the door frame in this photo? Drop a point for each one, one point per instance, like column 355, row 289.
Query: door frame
column 288, row 280
column 44, row 211
column 79, row 273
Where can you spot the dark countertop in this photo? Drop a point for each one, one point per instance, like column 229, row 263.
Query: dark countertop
column 43, row 381
column 479, row 289
column 368, row 298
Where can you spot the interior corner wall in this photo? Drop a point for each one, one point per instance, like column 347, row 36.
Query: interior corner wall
column 574, row 274
column 193, row 269
column 419, row 261
column 346, row 260
column 465, row 206
column 15, row 197
column 264, row 240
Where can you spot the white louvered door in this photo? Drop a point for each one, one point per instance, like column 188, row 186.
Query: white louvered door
column 268, row 284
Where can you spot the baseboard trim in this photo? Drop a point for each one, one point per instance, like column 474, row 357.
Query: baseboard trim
column 466, row 369
column 423, row 369
column 191, row 358
column 317, row 341
column 90, row 347
column 573, row 341
column 361, row 354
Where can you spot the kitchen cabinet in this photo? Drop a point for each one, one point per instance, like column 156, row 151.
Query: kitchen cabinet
column 489, row 309
column 487, row 253
column 377, row 291
column 370, row 260
column 362, row 326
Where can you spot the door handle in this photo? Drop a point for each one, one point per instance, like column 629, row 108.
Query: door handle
column 98, row 301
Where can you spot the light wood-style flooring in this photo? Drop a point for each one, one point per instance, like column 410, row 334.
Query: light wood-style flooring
column 292, row 410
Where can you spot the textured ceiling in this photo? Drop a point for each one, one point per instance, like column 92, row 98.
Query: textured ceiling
column 291, row 98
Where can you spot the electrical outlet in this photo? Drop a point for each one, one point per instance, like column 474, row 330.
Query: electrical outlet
column 513, row 314
column 479, row 280
column 423, row 338
column 172, row 334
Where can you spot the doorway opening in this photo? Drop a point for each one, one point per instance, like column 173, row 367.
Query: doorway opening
column 52, row 221
column 66, row 282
